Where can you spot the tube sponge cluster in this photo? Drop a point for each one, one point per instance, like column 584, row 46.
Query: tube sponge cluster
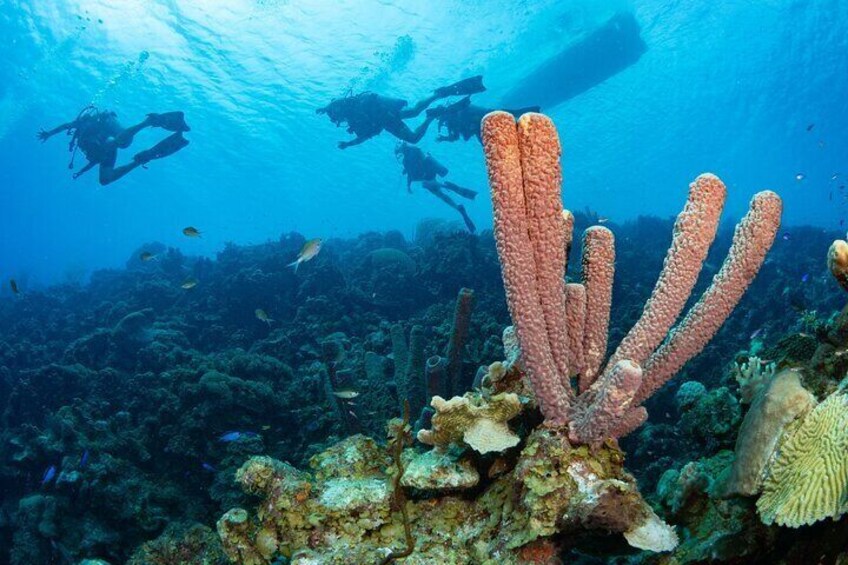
column 562, row 329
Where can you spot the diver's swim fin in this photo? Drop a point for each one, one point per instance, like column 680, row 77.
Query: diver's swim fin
column 464, row 87
column 468, row 223
column 167, row 146
column 464, row 192
column 171, row 121
column 440, row 111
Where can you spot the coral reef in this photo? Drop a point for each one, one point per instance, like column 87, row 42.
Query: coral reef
column 344, row 514
column 145, row 398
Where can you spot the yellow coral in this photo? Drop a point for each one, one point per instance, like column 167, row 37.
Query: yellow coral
column 473, row 421
column 837, row 262
column 809, row 480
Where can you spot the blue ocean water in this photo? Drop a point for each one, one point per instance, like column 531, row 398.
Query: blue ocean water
column 753, row 91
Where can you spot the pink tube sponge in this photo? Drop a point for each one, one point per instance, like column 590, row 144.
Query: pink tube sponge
column 598, row 274
column 562, row 329
column 752, row 240
column 694, row 232
column 518, row 265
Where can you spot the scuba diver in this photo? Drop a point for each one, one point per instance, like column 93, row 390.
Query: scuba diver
column 462, row 119
column 367, row 114
column 99, row 135
column 422, row 167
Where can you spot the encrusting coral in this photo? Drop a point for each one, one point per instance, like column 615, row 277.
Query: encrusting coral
column 532, row 236
column 778, row 405
column 473, row 421
column 345, row 510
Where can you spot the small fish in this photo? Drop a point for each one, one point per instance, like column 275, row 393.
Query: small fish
column 603, row 220
column 266, row 428
column 756, row 333
column 810, row 127
column 207, row 467
column 228, row 437
column 191, row 231
column 49, row 475
column 147, row 256
column 309, row 250
column 786, row 236
column 800, row 176
column 189, row 283
column 346, row 394
column 834, row 176
column 263, row 316
column 352, row 414
column 14, row 286
column 805, row 278
column 84, row 459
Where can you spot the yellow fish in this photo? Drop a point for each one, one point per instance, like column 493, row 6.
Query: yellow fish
column 147, row 256
column 309, row 250
column 189, row 283
column 262, row 315
column 346, row 394
column 191, row 232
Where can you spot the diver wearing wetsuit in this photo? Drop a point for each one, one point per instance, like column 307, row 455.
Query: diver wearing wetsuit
column 462, row 119
column 99, row 135
column 368, row 114
column 422, row 167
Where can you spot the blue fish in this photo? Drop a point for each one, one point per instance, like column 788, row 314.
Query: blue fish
column 235, row 436
column 786, row 236
column 48, row 476
column 84, row 459
column 208, row 467
column 805, row 278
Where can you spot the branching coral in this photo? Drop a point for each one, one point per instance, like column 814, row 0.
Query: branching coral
column 559, row 327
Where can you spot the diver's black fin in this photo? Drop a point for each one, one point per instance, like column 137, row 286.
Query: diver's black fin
column 468, row 223
column 464, row 87
column 171, row 121
column 167, row 146
column 446, row 109
column 460, row 190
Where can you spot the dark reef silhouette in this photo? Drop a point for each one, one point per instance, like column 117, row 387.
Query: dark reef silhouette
column 144, row 397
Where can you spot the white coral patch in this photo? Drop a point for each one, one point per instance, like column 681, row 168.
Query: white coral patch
column 487, row 436
column 652, row 535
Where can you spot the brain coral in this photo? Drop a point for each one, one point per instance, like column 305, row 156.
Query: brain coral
column 809, row 480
